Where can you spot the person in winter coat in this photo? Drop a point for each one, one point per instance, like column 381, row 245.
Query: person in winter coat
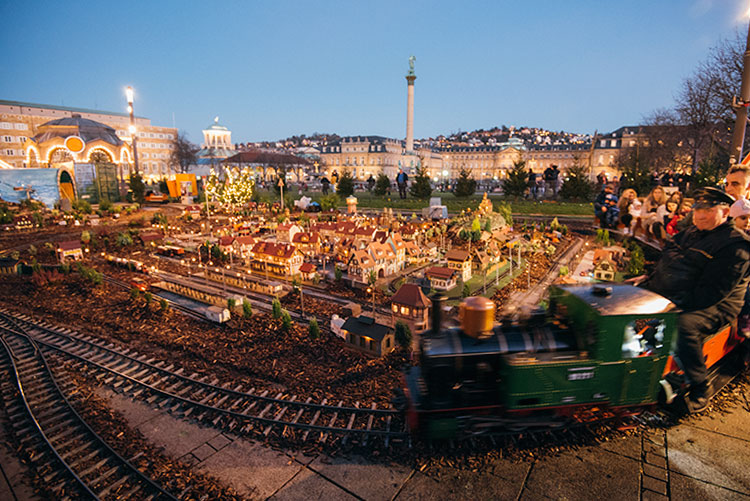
column 704, row 271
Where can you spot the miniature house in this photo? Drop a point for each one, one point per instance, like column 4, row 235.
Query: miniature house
column 364, row 334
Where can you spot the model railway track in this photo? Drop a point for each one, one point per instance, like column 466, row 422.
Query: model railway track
column 258, row 413
column 172, row 304
column 69, row 457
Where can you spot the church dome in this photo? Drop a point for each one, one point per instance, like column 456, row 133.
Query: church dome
column 86, row 129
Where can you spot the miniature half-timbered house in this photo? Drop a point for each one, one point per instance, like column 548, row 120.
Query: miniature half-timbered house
column 285, row 232
column 459, row 260
column 605, row 270
column 367, row 336
column 360, row 265
column 307, row 243
column 280, row 259
column 441, row 278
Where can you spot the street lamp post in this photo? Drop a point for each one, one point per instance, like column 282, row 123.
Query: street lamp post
column 129, row 95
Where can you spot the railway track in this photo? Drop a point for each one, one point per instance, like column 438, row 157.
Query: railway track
column 246, row 411
column 69, row 457
column 172, row 304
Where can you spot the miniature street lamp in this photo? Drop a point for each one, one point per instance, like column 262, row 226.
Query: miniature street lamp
column 129, row 94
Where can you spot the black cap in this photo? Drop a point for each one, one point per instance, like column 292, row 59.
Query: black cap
column 709, row 197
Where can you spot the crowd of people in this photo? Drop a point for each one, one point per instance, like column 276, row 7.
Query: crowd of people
column 704, row 268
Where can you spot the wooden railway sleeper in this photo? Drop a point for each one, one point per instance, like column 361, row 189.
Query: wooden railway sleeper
column 350, row 424
column 269, row 406
column 324, row 436
column 314, row 420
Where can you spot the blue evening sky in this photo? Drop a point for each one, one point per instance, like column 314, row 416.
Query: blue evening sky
column 271, row 69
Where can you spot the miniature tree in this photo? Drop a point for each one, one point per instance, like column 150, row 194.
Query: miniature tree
column 148, row 297
column 337, row 273
column 564, row 270
column 134, row 294
column 247, row 309
column 286, row 321
column 138, row 188
column 231, row 303
column 637, row 260
column 403, row 335
column 329, row 202
column 488, row 226
column 276, row 308
column 476, row 225
column 85, row 237
column 466, row 291
column 163, row 304
column 313, row 328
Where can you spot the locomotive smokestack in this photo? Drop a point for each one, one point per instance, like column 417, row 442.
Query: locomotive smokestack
column 438, row 300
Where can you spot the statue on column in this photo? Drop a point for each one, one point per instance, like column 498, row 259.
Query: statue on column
column 412, row 59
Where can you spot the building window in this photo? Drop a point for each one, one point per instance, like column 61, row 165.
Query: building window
column 8, row 139
column 404, row 310
column 21, row 126
column 395, row 308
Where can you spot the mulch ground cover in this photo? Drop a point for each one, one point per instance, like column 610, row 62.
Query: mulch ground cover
column 256, row 351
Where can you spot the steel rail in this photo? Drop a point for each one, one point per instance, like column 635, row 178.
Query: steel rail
column 292, row 405
column 140, row 476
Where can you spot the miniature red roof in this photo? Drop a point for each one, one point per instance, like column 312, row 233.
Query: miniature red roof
column 245, row 240
column 411, row 295
column 69, row 245
column 307, row 267
column 440, row 272
column 304, row 237
column 271, row 249
column 457, row 255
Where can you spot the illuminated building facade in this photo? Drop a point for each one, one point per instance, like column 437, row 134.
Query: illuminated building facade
column 20, row 121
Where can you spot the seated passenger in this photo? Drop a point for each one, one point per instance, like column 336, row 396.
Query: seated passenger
column 704, row 271
column 740, row 214
column 605, row 207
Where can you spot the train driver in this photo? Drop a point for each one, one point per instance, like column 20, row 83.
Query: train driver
column 704, row 271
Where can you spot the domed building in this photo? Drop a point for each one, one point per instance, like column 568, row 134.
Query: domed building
column 70, row 140
column 68, row 158
column 217, row 146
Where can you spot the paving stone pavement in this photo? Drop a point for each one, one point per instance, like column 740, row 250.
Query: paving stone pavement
column 702, row 458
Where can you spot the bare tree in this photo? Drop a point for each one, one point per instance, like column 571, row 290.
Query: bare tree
column 184, row 153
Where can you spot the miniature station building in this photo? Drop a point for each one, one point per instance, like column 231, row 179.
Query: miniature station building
column 410, row 305
column 69, row 251
column 367, row 336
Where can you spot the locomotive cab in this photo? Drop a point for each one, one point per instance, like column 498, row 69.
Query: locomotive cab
column 623, row 336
